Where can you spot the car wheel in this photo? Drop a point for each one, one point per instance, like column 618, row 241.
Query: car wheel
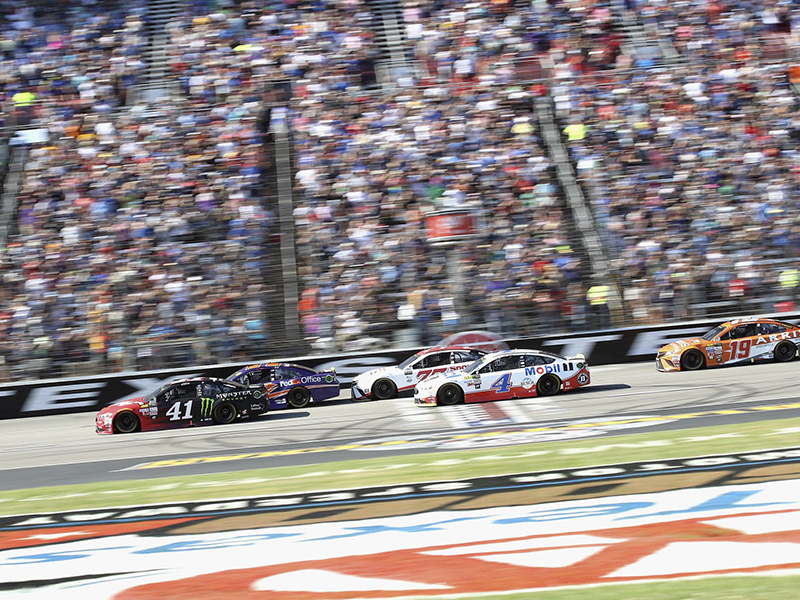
column 449, row 395
column 126, row 422
column 691, row 360
column 548, row 385
column 785, row 351
column 299, row 397
column 224, row 413
column 383, row 389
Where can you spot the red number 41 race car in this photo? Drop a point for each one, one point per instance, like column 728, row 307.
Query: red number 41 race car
column 185, row 403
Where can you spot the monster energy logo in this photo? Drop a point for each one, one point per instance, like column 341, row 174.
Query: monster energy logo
column 205, row 407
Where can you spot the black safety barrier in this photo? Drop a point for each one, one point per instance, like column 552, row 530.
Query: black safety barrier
column 86, row 394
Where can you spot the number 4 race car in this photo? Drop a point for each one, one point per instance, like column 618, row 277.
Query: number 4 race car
column 503, row 375
column 733, row 342
column 290, row 385
column 184, row 403
column 387, row 382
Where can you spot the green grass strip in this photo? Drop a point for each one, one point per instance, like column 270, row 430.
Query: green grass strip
column 755, row 587
column 406, row 469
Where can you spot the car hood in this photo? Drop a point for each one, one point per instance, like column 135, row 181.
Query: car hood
column 115, row 407
column 373, row 374
column 681, row 344
column 435, row 380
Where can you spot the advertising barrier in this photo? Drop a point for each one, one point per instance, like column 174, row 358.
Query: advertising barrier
column 90, row 394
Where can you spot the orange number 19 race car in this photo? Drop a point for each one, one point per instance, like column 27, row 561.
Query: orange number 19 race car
column 733, row 342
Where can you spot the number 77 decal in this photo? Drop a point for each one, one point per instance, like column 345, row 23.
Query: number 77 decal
column 425, row 373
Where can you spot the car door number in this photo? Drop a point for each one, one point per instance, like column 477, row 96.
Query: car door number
column 425, row 373
column 740, row 348
column 174, row 411
column 502, row 384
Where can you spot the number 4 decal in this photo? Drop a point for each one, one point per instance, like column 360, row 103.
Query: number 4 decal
column 502, row 385
column 174, row 411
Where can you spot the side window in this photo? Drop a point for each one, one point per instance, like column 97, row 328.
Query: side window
column 486, row 369
column 184, row 391
column 228, row 388
column 252, row 377
column 770, row 328
column 532, row 360
column 167, row 395
column 209, row 389
column 739, row 331
column 286, row 373
column 749, row 329
column 473, row 355
column 432, row 360
column 505, row 363
column 461, row 357
column 441, row 359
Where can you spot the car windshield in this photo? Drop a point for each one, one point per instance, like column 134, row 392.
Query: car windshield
column 714, row 332
column 477, row 364
column 236, row 375
column 407, row 362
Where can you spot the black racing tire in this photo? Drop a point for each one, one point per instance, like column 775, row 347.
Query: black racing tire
column 785, row 351
column 299, row 397
column 548, row 385
column 383, row 389
column 691, row 360
column 449, row 394
column 126, row 422
column 224, row 413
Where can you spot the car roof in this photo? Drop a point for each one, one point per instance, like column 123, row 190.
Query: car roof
column 520, row 352
column 449, row 348
column 748, row 320
column 198, row 379
column 264, row 365
column 744, row 320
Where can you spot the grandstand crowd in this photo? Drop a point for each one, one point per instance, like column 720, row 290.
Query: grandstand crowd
column 144, row 225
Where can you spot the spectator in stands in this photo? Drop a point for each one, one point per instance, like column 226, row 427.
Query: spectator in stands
column 141, row 227
column 689, row 168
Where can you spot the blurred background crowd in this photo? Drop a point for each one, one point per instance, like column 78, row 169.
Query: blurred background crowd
column 215, row 181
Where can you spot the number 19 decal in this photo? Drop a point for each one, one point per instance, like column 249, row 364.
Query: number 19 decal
column 174, row 411
column 502, row 385
column 743, row 347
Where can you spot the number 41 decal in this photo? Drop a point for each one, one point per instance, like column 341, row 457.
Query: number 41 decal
column 502, row 385
column 174, row 411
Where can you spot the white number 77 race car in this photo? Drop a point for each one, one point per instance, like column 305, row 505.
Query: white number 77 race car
column 507, row 374
column 388, row 382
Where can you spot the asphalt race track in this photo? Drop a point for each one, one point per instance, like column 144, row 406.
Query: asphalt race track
column 56, row 450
